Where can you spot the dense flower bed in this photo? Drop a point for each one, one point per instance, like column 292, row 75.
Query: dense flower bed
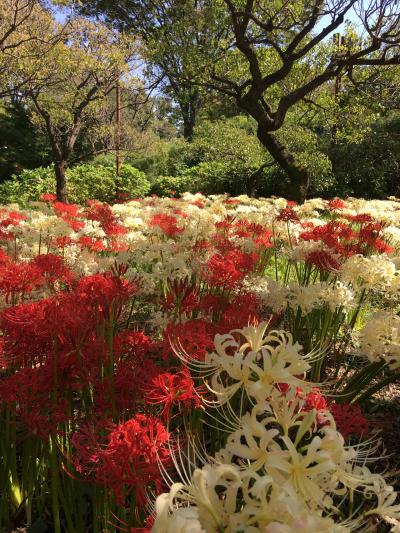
column 197, row 365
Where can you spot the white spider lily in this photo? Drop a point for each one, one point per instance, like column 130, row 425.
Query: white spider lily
column 257, row 365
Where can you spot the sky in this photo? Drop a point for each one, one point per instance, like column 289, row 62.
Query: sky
column 352, row 17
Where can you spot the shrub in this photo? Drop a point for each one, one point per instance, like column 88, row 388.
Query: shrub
column 84, row 182
column 374, row 171
column 88, row 181
column 132, row 182
column 170, row 185
column 27, row 186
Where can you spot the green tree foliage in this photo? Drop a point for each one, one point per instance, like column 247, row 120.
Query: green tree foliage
column 269, row 57
column 22, row 37
column 168, row 31
column 226, row 156
column 68, row 87
column 370, row 168
column 21, row 146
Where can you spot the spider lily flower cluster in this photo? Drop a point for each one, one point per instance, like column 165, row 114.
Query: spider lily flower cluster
column 286, row 467
column 253, row 329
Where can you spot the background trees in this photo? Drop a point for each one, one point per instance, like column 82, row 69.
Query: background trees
column 267, row 56
column 23, row 37
column 71, row 85
column 318, row 83
column 169, row 31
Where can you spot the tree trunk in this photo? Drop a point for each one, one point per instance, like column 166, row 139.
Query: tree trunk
column 299, row 177
column 189, row 121
column 251, row 185
column 61, row 183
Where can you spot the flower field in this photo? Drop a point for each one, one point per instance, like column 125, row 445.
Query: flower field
column 197, row 365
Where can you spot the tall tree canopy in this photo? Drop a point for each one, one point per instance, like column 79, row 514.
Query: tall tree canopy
column 68, row 87
column 170, row 33
column 269, row 56
column 24, row 37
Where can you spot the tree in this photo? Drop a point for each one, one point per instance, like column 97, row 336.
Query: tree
column 170, row 31
column 20, row 144
column 21, row 24
column 70, row 85
column 289, row 33
column 233, row 144
column 271, row 55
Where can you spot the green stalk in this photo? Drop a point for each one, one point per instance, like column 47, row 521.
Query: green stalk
column 54, row 486
column 111, row 367
column 378, row 386
column 360, row 379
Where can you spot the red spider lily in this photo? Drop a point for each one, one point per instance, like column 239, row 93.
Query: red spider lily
column 242, row 310
column 129, row 343
column 131, row 381
column 53, row 269
column 196, row 337
column 94, row 245
column 62, row 242
column 349, row 419
column 46, row 421
column 222, row 244
column 48, row 197
column 12, row 219
column 370, row 237
column 361, row 218
column 231, row 201
column 336, row 204
column 167, row 224
column 185, row 305
column 72, row 317
column 315, row 400
column 288, row 215
column 19, row 278
column 126, row 459
column 31, row 329
column 211, row 303
column 201, row 245
column 117, row 246
column 312, row 400
column 37, row 395
column 244, row 228
column 336, row 235
column 323, row 260
column 263, row 240
column 226, row 224
column 27, row 332
column 260, row 235
column 69, row 210
column 3, row 358
column 285, row 387
column 4, row 258
column 180, row 213
column 124, row 390
column 182, row 296
column 102, row 213
column 199, row 203
column 76, row 225
column 229, row 270
column 173, row 389
column 106, row 292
